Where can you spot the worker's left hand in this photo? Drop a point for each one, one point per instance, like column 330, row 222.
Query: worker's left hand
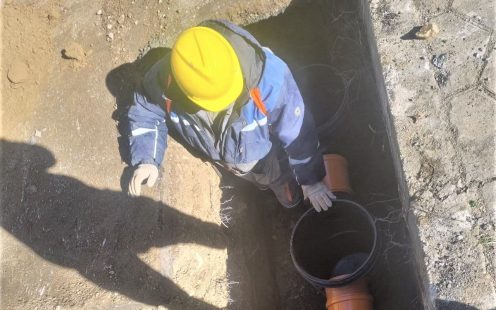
column 319, row 195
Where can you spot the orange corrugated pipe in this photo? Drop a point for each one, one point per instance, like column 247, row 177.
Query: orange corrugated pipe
column 337, row 178
column 356, row 295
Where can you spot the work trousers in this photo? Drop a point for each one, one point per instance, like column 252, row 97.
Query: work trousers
column 273, row 171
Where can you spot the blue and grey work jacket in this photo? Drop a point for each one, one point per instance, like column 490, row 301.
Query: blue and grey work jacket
column 242, row 134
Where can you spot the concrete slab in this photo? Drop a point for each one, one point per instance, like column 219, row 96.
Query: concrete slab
column 444, row 124
column 472, row 116
column 482, row 12
column 457, row 263
column 464, row 46
column 489, row 74
column 395, row 18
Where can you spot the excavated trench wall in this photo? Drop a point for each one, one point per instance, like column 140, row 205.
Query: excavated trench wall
column 334, row 36
column 417, row 254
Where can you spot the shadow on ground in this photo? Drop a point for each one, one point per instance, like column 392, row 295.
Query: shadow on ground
column 452, row 305
column 99, row 233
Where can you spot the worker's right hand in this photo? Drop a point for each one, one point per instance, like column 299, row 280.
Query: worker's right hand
column 319, row 195
column 143, row 172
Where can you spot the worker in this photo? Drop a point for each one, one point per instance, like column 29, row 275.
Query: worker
column 234, row 102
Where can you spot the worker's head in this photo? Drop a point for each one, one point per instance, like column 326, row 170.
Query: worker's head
column 206, row 68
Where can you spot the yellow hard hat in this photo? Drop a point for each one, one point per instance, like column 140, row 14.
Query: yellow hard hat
column 206, row 68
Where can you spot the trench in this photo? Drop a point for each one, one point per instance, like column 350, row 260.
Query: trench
column 328, row 46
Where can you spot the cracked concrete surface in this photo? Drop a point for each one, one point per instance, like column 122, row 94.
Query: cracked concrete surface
column 446, row 137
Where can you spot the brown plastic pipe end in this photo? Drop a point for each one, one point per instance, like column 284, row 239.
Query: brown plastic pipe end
column 337, row 177
column 354, row 296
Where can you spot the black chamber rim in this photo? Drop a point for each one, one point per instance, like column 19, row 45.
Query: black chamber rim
column 361, row 271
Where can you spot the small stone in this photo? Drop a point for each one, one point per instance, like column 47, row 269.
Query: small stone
column 110, row 36
column 74, row 51
column 121, row 19
column 439, row 60
column 135, row 22
column 428, row 31
column 459, row 237
column 109, row 26
column 54, row 14
column 37, row 133
column 18, row 72
column 442, row 78
column 99, row 12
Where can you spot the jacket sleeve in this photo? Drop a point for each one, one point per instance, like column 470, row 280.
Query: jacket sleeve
column 147, row 131
column 294, row 127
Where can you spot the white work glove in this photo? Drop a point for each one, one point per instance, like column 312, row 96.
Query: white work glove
column 319, row 195
column 143, row 172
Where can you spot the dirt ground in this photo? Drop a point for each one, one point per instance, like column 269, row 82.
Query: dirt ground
column 70, row 238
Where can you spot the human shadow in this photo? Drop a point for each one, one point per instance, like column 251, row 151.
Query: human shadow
column 96, row 232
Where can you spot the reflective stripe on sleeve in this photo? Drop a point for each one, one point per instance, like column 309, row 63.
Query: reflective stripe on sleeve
column 141, row 131
column 155, row 143
column 299, row 161
column 255, row 124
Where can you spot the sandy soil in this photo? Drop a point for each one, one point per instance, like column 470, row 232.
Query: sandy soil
column 70, row 238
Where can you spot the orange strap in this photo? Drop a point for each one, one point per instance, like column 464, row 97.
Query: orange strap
column 168, row 102
column 254, row 94
column 257, row 99
column 168, row 105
